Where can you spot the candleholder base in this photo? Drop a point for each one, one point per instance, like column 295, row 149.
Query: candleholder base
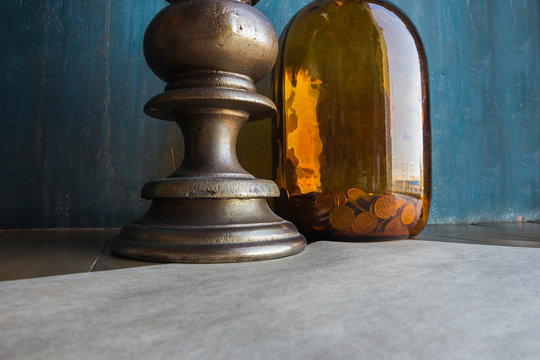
column 203, row 231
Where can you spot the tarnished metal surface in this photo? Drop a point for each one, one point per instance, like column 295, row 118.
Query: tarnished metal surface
column 210, row 209
column 224, row 35
column 216, row 188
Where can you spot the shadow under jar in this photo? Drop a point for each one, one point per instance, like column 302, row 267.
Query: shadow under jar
column 352, row 137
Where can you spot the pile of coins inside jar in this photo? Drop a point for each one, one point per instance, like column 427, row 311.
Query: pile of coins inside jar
column 354, row 213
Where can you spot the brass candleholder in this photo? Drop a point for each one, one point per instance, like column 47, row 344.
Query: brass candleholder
column 210, row 209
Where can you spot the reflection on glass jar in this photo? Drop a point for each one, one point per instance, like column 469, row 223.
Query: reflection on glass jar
column 353, row 142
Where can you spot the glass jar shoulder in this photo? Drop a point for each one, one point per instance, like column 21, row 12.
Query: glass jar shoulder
column 349, row 14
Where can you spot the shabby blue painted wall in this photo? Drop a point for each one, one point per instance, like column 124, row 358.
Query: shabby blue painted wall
column 77, row 149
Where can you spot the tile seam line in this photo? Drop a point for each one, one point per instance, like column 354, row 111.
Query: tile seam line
column 93, row 266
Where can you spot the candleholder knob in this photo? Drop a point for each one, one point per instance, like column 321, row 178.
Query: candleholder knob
column 210, row 34
column 210, row 209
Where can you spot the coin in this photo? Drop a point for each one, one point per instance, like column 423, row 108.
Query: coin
column 342, row 199
column 365, row 201
column 408, row 214
column 326, row 201
column 384, row 207
column 342, row 217
column 365, row 222
column 395, row 227
column 354, row 193
column 400, row 202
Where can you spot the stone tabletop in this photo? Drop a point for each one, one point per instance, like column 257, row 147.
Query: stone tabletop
column 387, row 300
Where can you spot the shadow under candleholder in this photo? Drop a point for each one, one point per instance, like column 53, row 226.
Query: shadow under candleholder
column 210, row 53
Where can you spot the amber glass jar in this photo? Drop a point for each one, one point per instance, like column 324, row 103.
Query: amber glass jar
column 352, row 137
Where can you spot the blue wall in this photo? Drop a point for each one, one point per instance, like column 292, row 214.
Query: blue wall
column 76, row 147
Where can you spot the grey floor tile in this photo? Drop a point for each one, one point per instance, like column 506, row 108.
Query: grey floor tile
column 36, row 253
column 108, row 261
column 380, row 300
column 509, row 234
column 527, row 231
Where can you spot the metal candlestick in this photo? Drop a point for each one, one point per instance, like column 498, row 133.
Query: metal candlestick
column 210, row 209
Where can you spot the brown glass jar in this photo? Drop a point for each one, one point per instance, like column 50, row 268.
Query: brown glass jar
column 352, row 136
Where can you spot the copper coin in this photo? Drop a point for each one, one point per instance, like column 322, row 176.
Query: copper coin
column 395, row 227
column 385, row 207
column 342, row 199
column 326, row 201
column 365, row 222
column 354, row 193
column 342, row 218
column 408, row 214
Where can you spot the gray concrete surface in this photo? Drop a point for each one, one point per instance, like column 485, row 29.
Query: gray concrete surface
column 387, row 300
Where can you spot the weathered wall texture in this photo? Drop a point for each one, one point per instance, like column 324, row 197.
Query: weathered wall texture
column 76, row 147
